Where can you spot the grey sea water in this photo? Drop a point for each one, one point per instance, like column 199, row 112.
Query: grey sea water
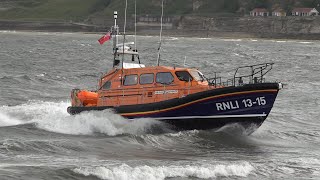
column 39, row 140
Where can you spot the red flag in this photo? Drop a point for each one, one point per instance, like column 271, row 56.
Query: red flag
column 104, row 38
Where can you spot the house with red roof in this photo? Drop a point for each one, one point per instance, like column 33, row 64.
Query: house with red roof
column 259, row 12
column 305, row 12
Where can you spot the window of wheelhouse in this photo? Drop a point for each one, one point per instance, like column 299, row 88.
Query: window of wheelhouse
column 184, row 76
column 130, row 80
column 146, row 78
column 197, row 75
column 106, row 85
column 164, row 78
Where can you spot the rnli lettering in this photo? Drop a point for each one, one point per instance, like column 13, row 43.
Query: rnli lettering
column 245, row 103
column 227, row 105
column 166, row 92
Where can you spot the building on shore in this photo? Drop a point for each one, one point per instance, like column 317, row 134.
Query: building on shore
column 154, row 19
column 305, row 12
column 259, row 12
column 279, row 12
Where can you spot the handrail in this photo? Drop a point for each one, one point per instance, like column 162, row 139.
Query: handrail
column 256, row 75
column 255, row 69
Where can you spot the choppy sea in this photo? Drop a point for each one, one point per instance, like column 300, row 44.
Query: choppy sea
column 40, row 140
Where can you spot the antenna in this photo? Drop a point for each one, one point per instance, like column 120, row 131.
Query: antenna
column 124, row 39
column 135, row 25
column 114, row 32
column 124, row 32
column 159, row 49
column 115, row 15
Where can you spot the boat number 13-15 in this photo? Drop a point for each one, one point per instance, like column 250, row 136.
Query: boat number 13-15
column 246, row 103
column 259, row 100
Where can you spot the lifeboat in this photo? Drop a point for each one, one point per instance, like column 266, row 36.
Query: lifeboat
column 180, row 96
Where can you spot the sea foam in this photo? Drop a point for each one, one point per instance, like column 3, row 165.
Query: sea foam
column 124, row 171
column 6, row 120
column 53, row 116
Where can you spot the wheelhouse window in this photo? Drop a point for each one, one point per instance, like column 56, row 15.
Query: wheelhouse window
column 164, row 78
column 107, row 85
column 130, row 80
column 184, row 76
column 146, row 78
column 197, row 75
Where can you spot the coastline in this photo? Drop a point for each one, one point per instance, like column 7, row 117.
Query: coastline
column 180, row 31
column 226, row 37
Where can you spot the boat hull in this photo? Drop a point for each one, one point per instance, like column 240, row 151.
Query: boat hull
column 215, row 122
column 246, row 105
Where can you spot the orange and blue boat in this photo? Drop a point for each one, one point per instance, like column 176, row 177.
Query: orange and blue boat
column 180, row 96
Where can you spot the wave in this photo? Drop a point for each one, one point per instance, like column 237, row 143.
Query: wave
column 281, row 41
column 19, row 77
column 6, row 120
column 236, row 129
column 88, row 123
column 172, row 39
column 305, row 42
column 232, row 40
column 7, row 31
column 203, row 38
column 207, row 171
column 53, row 116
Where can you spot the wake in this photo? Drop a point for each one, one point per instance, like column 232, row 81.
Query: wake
column 53, row 117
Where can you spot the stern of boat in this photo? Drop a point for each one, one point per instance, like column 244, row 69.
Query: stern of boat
column 82, row 99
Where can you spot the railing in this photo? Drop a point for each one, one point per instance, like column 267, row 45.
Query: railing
column 254, row 74
column 257, row 73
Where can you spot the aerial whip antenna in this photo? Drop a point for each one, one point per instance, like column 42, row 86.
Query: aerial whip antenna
column 124, row 31
column 124, row 36
column 114, row 32
column 135, row 24
column 159, row 49
column 135, row 31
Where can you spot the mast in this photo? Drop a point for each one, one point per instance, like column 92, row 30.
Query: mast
column 123, row 48
column 115, row 31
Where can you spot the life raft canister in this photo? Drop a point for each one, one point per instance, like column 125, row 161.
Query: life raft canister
column 84, row 98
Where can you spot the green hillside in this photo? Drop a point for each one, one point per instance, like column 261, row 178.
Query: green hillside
column 81, row 10
column 50, row 9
